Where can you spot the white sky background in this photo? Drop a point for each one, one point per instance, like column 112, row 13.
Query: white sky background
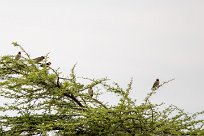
column 143, row 39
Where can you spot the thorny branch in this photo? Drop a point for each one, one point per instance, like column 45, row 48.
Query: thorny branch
column 16, row 44
column 154, row 91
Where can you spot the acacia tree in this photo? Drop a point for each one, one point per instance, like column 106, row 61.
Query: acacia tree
column 37, row 100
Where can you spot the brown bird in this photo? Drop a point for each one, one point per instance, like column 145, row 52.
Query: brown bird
column 46, row 64
column 39, row 59
column 155, row 85
column 90, row 91
column 18, row 56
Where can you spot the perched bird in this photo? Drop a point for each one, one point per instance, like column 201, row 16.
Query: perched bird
column 18, row 56
column 46, row 64
column 155, row 85
column 90, row 91
column 39, row 59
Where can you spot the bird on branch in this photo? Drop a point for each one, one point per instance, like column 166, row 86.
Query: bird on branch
column 46, row 64
column 155, row 85
column 18, row 56
column 39, row 59
column 90, row 91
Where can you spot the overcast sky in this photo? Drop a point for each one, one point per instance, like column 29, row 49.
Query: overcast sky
column 118, row 39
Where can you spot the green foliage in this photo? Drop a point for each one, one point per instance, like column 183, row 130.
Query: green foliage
column 41, row 101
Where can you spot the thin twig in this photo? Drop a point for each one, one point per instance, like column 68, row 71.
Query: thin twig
column 100, row 103
column 166, row 82
column 16, row 44
column 154, row 91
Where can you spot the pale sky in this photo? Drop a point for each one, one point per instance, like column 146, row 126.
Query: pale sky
column 118, row 39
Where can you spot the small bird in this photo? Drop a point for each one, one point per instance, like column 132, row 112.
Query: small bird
column 39, row 59
column 46, row 64
column 90, row 91
column 18, row 56
column 155, row 85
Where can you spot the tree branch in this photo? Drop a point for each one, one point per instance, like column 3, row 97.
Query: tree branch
column 74, row 99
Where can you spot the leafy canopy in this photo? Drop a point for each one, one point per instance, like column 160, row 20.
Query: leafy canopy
column 37, row 100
